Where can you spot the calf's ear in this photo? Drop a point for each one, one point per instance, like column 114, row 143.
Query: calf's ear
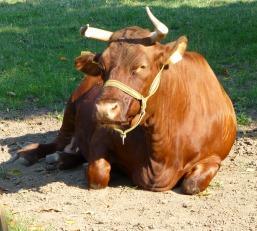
column 87, row 62
column 173, row 52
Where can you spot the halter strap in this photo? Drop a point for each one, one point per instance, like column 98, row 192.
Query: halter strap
column 130, row 91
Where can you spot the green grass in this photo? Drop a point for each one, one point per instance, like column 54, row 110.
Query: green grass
column 39, row 41
column 3, row 173
column 11, row 222
column 18, row 223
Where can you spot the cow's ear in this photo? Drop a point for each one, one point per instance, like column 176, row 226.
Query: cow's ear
column 87, row 62
column 173, row 52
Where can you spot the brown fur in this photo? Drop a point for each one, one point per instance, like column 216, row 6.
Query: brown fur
column 188, row 129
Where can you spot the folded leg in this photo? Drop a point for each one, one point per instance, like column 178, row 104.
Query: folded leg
column 200, row 175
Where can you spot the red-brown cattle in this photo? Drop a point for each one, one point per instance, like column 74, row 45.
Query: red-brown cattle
column 154, row 110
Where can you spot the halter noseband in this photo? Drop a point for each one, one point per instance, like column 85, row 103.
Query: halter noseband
column 130, row 91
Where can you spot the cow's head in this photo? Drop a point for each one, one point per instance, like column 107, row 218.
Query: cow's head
column 133, row 57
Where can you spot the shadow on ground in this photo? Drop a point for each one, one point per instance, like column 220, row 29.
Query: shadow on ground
column 37, row 76
column 44, row 37
column 15, row 176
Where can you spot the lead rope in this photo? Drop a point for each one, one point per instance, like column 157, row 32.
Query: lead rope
column 130, row 91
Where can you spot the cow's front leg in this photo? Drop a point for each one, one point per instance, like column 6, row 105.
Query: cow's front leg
column 198, row 178
column 98, row 173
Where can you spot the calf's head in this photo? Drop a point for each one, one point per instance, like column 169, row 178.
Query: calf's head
column 133, row 57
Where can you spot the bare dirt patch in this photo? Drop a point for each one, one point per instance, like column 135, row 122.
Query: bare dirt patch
column 59, row 200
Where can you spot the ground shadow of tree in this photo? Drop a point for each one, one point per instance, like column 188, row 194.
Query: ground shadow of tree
column 37, row 34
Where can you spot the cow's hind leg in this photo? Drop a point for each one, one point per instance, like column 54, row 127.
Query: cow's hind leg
column 64, row 160
column 31, row 153
column 200, row 175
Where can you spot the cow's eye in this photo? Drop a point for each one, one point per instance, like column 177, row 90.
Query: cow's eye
column 142, row 67
column 138, row 69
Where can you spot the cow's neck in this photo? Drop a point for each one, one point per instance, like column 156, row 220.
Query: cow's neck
column 164, row 114
column 160, row 126
column 157, row 133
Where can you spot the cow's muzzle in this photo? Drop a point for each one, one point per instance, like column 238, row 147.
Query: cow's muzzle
column 109, row 113
column 108, row 110
column 138, row 96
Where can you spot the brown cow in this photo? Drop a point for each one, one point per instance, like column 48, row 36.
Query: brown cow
column 175, row 119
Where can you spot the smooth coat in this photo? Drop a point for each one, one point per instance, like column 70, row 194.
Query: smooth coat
column 188, row 129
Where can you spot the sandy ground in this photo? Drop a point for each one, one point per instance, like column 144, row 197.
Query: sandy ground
column 59, row 200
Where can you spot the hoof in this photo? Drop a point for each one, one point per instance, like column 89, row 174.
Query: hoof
column 51, row 167
column 96, row 186
column 24, row 162
column 53, row 158
column 190, row 187
column 52, row 161
column 85, row 165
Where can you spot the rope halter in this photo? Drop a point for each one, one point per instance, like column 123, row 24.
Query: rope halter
column 130, row 91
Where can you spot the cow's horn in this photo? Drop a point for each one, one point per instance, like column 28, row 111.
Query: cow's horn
column 160, row 29
column 95, row 33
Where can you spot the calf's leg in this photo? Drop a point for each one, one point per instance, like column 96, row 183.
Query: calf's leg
column 200, row 175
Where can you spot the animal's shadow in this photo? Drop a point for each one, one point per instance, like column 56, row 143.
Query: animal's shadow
column 15, row 176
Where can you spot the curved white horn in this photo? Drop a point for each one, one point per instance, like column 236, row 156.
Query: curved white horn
column 160, row 29
column 95, row 33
